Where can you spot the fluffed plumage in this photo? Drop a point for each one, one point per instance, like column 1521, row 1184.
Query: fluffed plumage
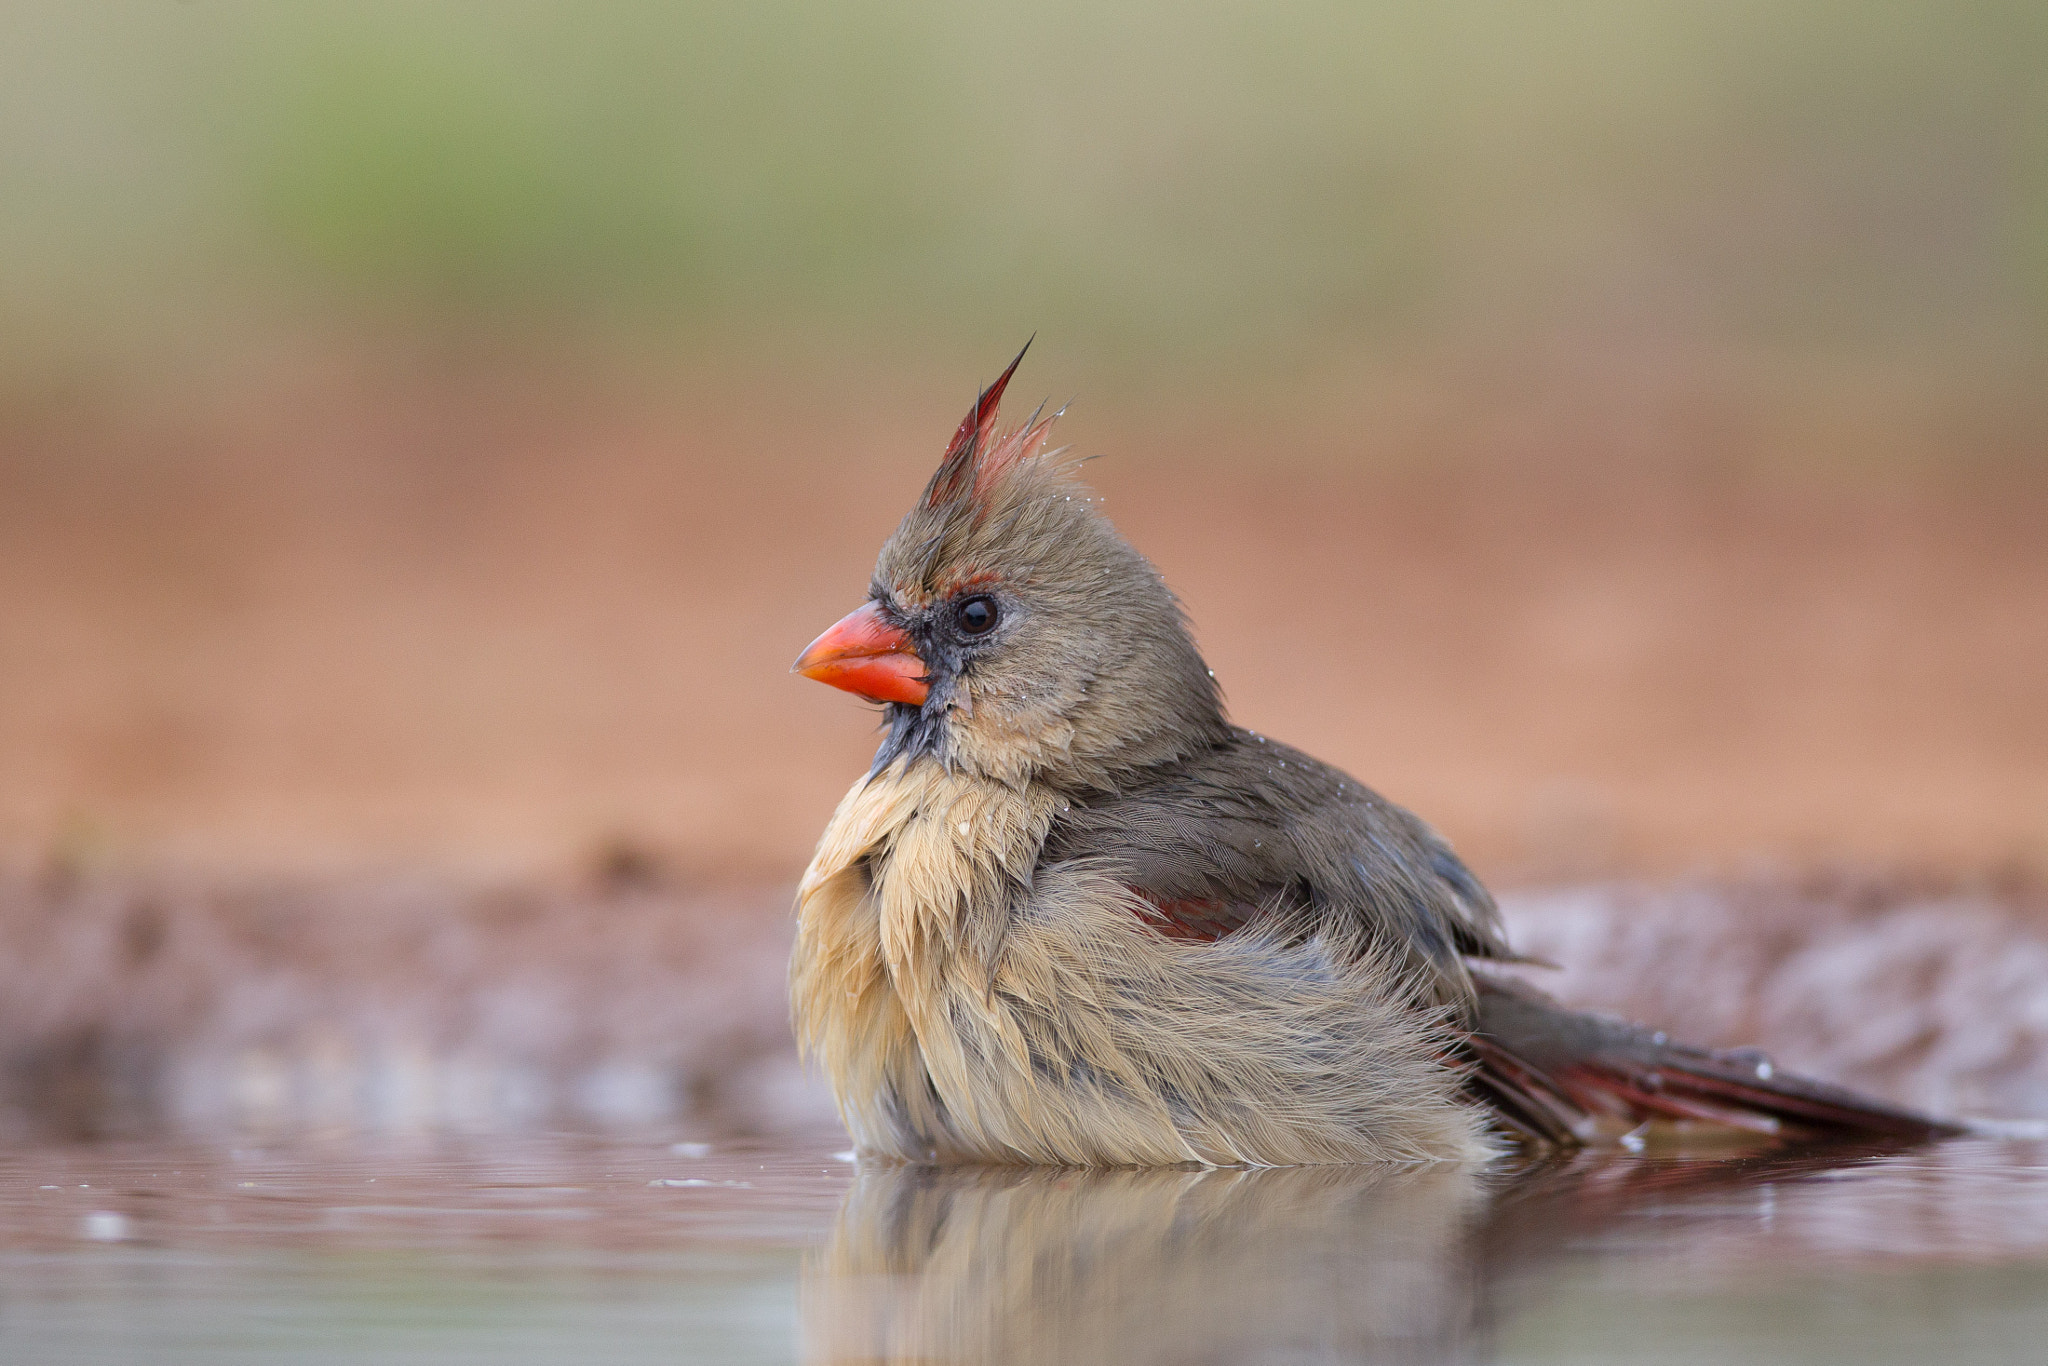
column 1073, row 916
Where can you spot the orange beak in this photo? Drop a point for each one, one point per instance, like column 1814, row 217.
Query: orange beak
column 864, row 654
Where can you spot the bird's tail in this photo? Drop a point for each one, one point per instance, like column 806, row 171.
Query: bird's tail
column 1568, row 1079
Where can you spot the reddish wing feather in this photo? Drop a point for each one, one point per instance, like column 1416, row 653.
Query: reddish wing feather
column 1551, row 1073
column 1202, row 920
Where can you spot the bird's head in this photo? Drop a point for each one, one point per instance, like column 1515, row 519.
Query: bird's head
column 1011, row 632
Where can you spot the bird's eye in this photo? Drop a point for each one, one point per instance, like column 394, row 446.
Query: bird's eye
column 976, row 615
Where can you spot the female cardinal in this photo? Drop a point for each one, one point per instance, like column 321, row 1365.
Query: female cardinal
column 1073, row 916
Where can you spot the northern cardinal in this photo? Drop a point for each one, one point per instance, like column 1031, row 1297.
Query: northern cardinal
column 1072, row 915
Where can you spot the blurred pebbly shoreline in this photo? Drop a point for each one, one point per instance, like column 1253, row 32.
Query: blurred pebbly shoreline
column 417, row 1005
column 395, row 1005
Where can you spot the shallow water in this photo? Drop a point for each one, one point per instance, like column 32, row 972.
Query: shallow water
column 607, row 1250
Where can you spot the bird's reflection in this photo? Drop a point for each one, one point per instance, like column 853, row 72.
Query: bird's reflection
column 1306, row 1264
column 1029, row 1265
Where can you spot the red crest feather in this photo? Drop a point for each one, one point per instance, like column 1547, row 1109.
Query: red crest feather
column 958, row 465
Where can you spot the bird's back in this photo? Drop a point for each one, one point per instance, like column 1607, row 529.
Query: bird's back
column 1252, row 829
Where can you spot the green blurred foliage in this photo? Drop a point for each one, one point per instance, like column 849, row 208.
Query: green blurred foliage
column 1266, row 177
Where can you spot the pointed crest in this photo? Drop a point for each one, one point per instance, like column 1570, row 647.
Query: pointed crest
column 955, row 471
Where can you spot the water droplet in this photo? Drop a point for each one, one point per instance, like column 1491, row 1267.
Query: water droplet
column 105, row 1226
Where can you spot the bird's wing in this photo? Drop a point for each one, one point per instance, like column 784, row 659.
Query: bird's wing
column 1253, row 828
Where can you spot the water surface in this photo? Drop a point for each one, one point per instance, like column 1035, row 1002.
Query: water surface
column 573, row 1248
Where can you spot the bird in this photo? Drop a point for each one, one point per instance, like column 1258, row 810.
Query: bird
column 1073, row 916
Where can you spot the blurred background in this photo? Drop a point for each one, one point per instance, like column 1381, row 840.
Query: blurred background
column 429, row 430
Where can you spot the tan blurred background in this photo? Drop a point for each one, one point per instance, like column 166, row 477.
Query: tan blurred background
column 427, row 431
